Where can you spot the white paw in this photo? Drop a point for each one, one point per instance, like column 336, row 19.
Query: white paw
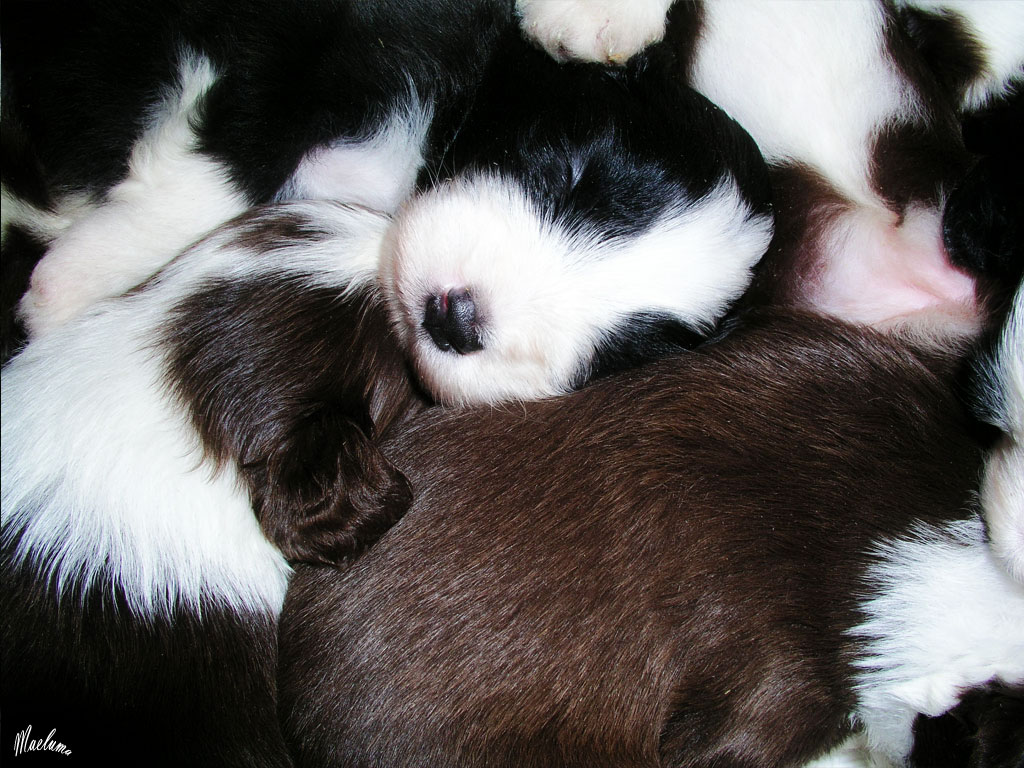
column 607, row 31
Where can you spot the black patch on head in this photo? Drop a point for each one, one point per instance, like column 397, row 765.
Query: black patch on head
column 295, row 385
column 117, row 689
column 600, row 151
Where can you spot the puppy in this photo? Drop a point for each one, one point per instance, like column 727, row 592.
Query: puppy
column 573, row 220
column 643, row 630
column 855, row 106
column 165, row 457
column 735, row 556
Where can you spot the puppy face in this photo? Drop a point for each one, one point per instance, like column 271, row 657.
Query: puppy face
column 497, row 300
column 578, row 217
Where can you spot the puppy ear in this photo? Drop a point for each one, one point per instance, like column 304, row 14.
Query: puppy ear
column 324, row 492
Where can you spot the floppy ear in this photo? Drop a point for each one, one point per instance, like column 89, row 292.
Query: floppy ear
column 323, row 491
column 293, row 383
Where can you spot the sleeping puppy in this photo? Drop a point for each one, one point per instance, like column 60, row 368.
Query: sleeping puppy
column 740, row 556
column 855, row 106
column 733, row 557
column 140, row 592
column 573, row 219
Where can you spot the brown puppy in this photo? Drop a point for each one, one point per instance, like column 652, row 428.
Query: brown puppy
column 730, row 558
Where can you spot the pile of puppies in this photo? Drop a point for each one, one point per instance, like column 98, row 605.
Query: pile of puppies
column 558, row 383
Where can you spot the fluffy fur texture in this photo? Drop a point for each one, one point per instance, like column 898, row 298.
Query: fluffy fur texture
column 779, row 546
column 1001, row 394
column 255, row 374
column 625, row 174
column 139, row 587
column 855, row 106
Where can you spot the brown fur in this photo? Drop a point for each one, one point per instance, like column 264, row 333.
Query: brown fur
column 666, row 587
column 297, row 385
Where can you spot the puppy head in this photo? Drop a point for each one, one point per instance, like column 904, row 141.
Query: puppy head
column 497, row 299
column 574, row 214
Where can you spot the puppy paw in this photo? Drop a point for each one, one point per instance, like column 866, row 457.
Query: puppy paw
column 606, row 31
column 101, row 256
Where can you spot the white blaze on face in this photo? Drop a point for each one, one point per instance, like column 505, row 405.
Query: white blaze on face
column 546, row 298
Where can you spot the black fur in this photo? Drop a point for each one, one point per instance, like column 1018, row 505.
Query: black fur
column 982, row 219
column 119, row 691
column 983, row 731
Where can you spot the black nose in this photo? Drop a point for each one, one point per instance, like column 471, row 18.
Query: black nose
column 451, row 321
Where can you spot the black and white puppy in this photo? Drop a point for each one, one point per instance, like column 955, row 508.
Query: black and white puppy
column 856, row 108
column 737, row 557
column 573, row 217
column 165, row 456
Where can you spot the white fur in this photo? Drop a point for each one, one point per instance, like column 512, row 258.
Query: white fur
column 544, row 298
column 378, row 172
column 998, row 28
column 593, row 30
column 852, row 753
column 102, row 472
column 944, row 618
column 809, row 80
column 170, row 197
column 1002, row 492
column 45, row 225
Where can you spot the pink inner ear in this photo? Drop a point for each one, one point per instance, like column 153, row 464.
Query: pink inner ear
column 879, row 271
